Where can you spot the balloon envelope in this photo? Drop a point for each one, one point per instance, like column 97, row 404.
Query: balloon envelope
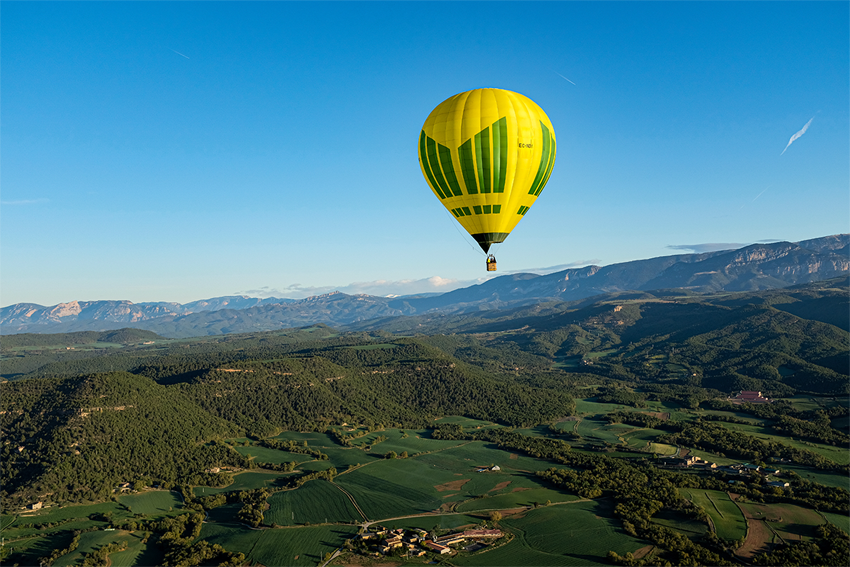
column 487, row 154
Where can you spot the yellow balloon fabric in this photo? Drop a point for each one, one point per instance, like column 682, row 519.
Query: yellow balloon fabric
column 487, row 154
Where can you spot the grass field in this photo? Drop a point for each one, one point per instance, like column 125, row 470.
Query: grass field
column 53, row 515
column 280, row 547
column 90, row 541
column 839, row 520
column 838, row 455
column 516, row 500
column 829, row 478
column 680, row 523
column 445, row 522
column 137, row 553
column 266, row 455
column 243, row 481
column 729, row 522
column 315, row 502
column 397, row 487
column 789, row 522
column 579, row 534
column 152, row 503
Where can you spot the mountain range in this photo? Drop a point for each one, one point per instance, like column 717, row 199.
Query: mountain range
column 752, row 268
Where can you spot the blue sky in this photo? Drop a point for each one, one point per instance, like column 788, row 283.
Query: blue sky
column 162, row 151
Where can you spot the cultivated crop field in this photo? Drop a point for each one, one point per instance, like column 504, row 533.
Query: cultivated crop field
column 243, row 481
column 789, row 522
column 516, row 498
column 281, row 546
column 576, row 534
column 137, row 553
column 680, row 523
column 152, row 503
column 729, row 522
column 90, row 541
column 266, row 455
column 838, row 455
column 315, row 502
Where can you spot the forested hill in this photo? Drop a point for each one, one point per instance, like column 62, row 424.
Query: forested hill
column 752, row 268
column 78, row 437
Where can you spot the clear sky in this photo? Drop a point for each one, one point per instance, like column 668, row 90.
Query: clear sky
column 161, row 151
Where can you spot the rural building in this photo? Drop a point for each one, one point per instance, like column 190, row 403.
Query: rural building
column 436, row 547
column 618, row 308
column 36, row 506
column 751, row 397
column 778, row 484
column 477, row 534
column 450, row 539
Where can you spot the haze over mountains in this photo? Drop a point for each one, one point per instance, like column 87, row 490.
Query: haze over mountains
column 752, row 268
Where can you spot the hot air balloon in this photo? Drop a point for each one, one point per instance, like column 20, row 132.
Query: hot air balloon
column 487, row 154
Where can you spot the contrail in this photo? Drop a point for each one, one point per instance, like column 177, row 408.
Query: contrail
column 563, row 77
column 756, row 197
column 798, row 134
column 187, row 57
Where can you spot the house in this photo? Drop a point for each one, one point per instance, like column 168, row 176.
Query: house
column 450, row 539
column 436, row 547
column 36, row 506
column 750, row 397
column 778, row 484
column 495, row 468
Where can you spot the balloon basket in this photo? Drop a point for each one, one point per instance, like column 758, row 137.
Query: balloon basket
column 491, row 266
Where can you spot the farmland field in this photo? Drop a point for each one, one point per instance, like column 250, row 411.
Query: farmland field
column 680, row 523
column 243, row 481
column 137, row 553
column 829, row 478
column 156, row 502
column 315, row 502
column 790, row 522
column 443, row 522
column 266, row 455
column 90, row 541
column 282, row 546
column 729, row 522
column 579, row 533
column 839, row 520
column 53, row 515
column 838, row 455
column 518, row 499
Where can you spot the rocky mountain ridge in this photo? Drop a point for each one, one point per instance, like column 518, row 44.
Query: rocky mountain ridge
column 752, row 268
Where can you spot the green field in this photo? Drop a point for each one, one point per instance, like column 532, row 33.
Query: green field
column 789, row 522
column 839, row 520
column 397, row 487
column 90, row 541
column 53, row 515
column 712, row 458
column 729, row 522
column 315, row 502
column 279, row 547
column 681, row 523
column 838, row 455
column 580, row 533
column 527, row 497
column 243, row 481
column 443, row 522
column 152, row 503
column 137, row 553
column 829, row 478
column 275, row 456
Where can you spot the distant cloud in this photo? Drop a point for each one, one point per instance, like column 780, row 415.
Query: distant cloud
column 798, row 134
column 178, row 53
column 25, row 202
column 382, row 288
column 563, row 77
column 386, row 288
column 707, row 247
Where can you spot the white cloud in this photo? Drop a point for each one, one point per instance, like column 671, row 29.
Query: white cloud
column 24, row 202
column 391, row 288
column 707, row 247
